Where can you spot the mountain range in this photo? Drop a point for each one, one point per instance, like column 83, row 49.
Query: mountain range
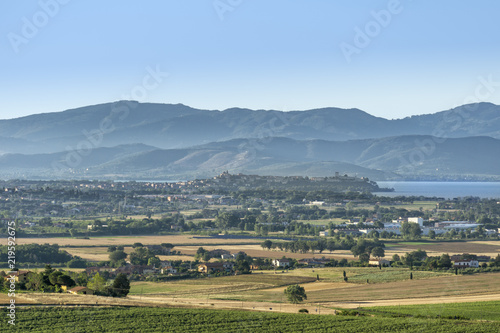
column 131, row 140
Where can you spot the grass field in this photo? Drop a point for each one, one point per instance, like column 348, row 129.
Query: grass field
column 473, row 310
column 119, row 319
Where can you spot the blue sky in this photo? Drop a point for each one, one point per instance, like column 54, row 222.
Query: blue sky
column 426, row 56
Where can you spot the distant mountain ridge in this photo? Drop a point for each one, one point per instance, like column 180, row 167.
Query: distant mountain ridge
column 381, row 159
column 179, row 126
column 131, row 140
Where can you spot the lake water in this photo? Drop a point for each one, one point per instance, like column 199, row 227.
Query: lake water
column 448, row 190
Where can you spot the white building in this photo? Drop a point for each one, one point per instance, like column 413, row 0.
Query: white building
column 418, row 220
column 466, row 263
column 456, row 225
column 281, row 263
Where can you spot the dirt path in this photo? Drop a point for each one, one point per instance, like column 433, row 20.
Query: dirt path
column 321, row 308
column 415, row 301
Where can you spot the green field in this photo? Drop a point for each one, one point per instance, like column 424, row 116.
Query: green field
column 118, row 319
column 474, row 310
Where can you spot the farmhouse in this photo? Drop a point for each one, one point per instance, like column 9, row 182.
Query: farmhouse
column 94, row 270
column 379, row 262
column 466, row 263
column 313, row 262
column 281, row 263
column 134, row 269
column 167, row 268
column 19, row 276
column 212, row 267
column 81, row 291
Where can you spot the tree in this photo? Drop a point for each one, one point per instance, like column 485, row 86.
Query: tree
column 65, row 280
column 77, row 262
column 364, row 257
column 168, row 246
column 227, row 220
column 154, row 261
column 117, row 255
column 140, row 256
column 35, row 281
column 295, row 294
column 82, row 279
column 121, row 285
column 54, row 276
column 445, row 261
column 266, row 244
column 378, row 252
column 97, row 283
column 206, row 256
column 496, row 261
column 432, row 234
column 411, row 230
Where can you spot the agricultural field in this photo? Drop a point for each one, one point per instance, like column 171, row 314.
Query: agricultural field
column 267, row 286
column 362, row 274
column 454, row 286
column 120, row 319
column 219, row 285
column 129, row 240
column 474, row 310
column 433, row 248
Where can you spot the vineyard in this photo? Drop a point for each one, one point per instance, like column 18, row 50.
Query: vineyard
column 472, row 310
column 119, row 319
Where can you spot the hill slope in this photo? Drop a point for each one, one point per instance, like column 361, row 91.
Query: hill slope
column 178, row 126
column 385, row 158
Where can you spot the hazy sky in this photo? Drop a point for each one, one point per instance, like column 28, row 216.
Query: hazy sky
column 389, row 58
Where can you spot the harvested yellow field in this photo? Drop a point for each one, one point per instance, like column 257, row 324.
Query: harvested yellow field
column 128, row 240
column 445, row 286
column 489, row 248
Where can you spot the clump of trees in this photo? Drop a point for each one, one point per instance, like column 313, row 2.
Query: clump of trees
column 295, row 293
column 49, row 280
column 37, row 253
column 304, row 246
column 120, row 287
column 366, row 248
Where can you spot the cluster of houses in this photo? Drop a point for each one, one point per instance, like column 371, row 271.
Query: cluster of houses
column 165, row 267
column 353, row 227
